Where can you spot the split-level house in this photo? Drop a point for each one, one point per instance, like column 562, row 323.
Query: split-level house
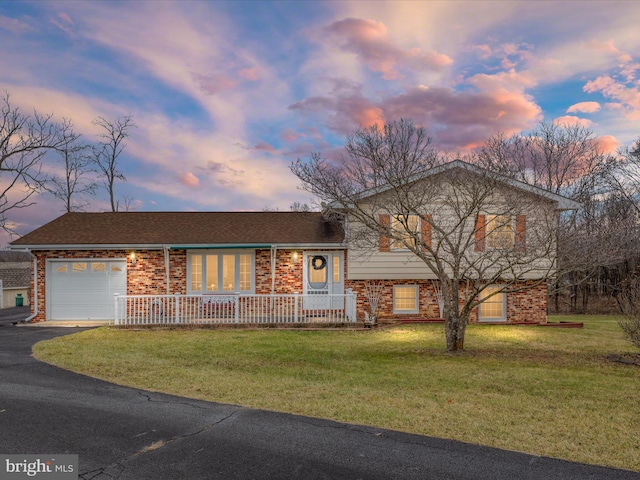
column 273, row 267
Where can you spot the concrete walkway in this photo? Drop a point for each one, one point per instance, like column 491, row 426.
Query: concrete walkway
column 128, row 434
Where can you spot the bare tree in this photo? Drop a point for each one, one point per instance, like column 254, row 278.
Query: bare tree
column 299, row 207
column 126, row 203
column 566, row 159
column 24, row 140
column 107, row 152
column 395, row 190
column 76, row 180
column 563, row 159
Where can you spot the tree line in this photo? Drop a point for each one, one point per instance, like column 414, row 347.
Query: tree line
column 76, row 169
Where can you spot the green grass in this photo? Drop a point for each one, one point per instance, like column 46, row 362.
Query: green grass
column 545, row 391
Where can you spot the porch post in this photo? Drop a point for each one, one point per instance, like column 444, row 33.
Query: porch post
column 116, row 320
column 176, row 297
column 237, row 309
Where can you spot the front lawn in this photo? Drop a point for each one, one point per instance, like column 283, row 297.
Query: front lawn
column 545, row 391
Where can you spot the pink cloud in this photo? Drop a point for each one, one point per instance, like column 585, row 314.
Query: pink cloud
column 502, row 81
column 509, row 55
column 455, row 119
column 369, row 40
column 629, row 97
column 189, row 179
column 584, row 107
column 64, row 23
column 610, row 48
column 346, row 108
column 483, row 51
column 215, row 83
column 251, row 74
column 14, row 25
column 264, row 147
column 571, row 120
column 290, row 135
column 607, row 143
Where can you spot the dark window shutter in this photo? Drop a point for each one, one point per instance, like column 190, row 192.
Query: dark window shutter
column 426, row 230
column 384, row 219
column 480, row 233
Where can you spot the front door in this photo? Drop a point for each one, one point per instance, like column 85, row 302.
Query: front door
column 323, row 277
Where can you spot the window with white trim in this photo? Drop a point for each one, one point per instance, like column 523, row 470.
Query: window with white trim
column 493, row 306
column 500, row 232
column 405, row 299
column 405, row 229
column 220, row 272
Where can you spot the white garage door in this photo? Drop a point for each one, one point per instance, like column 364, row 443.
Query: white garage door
column 83, row 289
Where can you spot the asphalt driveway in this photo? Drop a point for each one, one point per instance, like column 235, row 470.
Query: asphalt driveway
column 123, row 433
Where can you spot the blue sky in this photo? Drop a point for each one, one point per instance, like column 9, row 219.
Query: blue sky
column 225, row 95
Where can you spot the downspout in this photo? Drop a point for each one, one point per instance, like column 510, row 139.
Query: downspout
column 35, row 288
column 166, row 268
column 274, row 251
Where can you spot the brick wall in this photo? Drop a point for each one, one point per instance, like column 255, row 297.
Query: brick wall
column 529, row 305
column 146, row 277
column 288, row 273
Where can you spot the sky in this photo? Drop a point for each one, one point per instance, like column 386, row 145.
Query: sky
column 226, row 95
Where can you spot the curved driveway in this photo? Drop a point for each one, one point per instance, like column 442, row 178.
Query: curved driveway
column 124, row 433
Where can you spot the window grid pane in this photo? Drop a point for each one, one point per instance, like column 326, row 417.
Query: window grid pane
column 196, row 272
column 398, row 226
column 405, row 299
column 500, row 232
column 245, row 273
column 212, row 272
column 336, row 269
column 494, row 306
column 228, row 272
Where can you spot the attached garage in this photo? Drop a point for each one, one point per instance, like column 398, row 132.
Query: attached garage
column 82, row 289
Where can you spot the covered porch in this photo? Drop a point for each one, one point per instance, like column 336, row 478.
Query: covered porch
column 236, row 308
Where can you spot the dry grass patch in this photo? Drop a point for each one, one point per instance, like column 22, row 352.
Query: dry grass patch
column 542, row 391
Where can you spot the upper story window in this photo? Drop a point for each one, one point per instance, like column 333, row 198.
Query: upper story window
column 500, row 232
column 405, row 228
column 220, row 272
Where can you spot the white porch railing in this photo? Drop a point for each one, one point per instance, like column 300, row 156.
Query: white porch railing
column 234, row 309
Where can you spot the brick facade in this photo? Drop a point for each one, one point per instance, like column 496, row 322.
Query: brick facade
column 148, row 277
column 288, row 272
column 524, row 306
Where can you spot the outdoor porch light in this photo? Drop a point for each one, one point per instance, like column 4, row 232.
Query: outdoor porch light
column 296, row 257
column 133, row 258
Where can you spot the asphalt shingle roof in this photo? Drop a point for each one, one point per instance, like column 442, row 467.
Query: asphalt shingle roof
column 184, row 228
column 15, row 274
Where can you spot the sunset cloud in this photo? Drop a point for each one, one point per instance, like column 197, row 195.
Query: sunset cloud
column 584, row 107
column 571, row 120
column 628, row 97
column 189, row 179
column 14, row 25
column 369, row 40
column 226, row 96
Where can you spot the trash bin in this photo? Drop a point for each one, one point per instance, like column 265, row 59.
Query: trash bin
column 19, row 300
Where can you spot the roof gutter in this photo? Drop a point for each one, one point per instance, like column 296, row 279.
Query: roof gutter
column 281, row 246
column 220, row 245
